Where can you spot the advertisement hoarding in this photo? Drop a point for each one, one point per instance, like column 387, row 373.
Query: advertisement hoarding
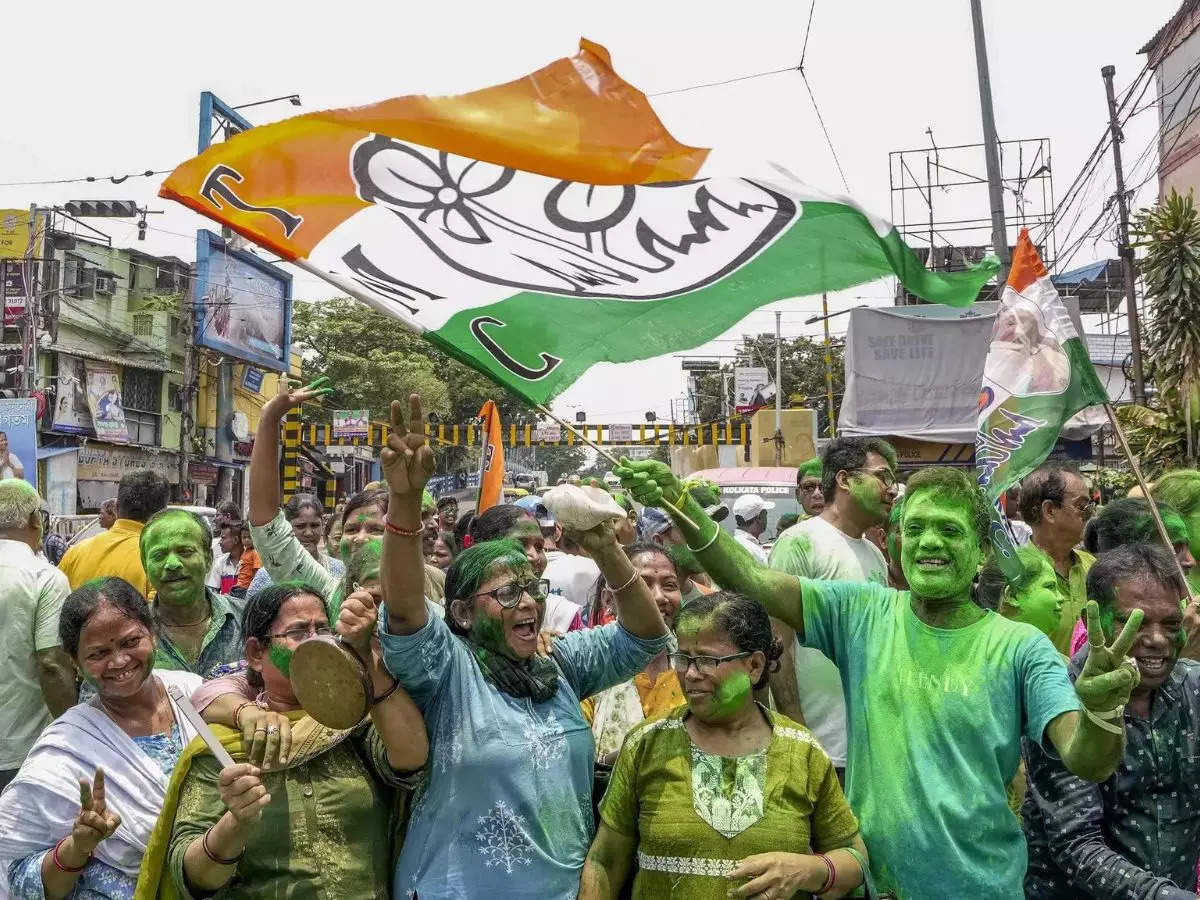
column 72, row 415
column 18, row 439
column 105, row 402
column 17, row 238
column 243, row 304
column 12, row 287
column 350, row 423
column 752, row 389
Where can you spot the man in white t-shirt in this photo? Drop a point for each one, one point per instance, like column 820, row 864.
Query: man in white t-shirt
column 750, row 521
column 859, row 484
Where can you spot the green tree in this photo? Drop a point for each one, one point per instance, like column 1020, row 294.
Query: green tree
column 1168, row 234
column 561, row 460
column 803, row 370
column 370, row 360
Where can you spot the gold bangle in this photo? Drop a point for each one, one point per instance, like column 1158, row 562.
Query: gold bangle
column 632, row 579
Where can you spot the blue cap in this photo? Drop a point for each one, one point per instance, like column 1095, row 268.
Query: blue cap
column 536, row 507
column 653, row 521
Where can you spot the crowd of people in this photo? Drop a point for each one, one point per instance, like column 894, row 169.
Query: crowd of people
column 657, row 706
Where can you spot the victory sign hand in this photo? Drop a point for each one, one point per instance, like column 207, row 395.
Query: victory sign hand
column 94, row 822
column 407, row 461
column 649, row 481
column 1109, row 675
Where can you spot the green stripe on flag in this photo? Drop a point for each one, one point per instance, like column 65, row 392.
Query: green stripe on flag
column 830, row 247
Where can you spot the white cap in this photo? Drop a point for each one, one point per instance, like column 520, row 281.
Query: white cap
column 748, row 506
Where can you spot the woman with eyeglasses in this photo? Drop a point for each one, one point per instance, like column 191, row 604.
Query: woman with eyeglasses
column 723, row 797
column 506, row 809
column 320, row 823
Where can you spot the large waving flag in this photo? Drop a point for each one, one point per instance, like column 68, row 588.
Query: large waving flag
column 1036, row 377
column 536, row 228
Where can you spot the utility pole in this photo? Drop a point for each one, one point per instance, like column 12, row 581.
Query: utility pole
column 829, row 359
column 778, row 390
column 29, row 356
column 1124, row 250
column 991, row 152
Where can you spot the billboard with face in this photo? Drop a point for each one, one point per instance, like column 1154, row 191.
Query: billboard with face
column 243, row 304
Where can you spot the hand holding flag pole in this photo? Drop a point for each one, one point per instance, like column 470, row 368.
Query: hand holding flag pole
column 545, row 411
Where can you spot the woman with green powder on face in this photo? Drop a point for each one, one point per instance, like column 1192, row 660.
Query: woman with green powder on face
column 321, row 824
column 723, row 797
column 285, row 556
column 506, row 810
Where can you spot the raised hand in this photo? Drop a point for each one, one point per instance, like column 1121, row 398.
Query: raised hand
column 290, row 397
column 649, row 481
column 94, row 822
column 1109, row 675
column 243, row 794
column 407, row 461
column 356, row 621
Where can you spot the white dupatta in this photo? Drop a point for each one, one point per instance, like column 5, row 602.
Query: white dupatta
column 39, row 807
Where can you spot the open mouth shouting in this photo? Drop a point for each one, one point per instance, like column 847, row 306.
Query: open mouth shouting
column 1153, row 667
column 526, row 628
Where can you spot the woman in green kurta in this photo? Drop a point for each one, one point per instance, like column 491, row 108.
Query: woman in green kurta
column 319, row 825
column 723, row 797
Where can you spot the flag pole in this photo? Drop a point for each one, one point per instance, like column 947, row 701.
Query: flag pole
column 545, row 410
column 1137, row 473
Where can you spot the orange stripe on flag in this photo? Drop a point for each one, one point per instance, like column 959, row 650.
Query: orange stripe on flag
column 491, row 470
column 575, row 119
column 1027, row 266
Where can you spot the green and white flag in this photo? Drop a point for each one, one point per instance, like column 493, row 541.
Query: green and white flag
column 481, row 222
column 1036, row 377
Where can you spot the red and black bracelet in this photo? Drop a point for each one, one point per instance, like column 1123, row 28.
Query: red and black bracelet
column 395, row 529
column 58, row 863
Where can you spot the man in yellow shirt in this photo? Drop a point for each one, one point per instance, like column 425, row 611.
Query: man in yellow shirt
column 115, row 552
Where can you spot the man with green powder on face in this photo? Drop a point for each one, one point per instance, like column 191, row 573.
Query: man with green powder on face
column 939, row 692
column 197, row 628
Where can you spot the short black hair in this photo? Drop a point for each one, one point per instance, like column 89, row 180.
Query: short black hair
column 81, row 604
column 300, row 502
column 1124, row 521
column 953, row 484
column 1131, row 562
column 363, row 499
column 642, row 548
column 141, row 494
column 262, row 610
column 1049, row 482
column 743, row 619
column 447, row 501
column 847, row 454
column 496, row 522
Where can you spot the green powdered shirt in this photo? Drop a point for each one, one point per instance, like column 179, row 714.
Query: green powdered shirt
column 935, row 720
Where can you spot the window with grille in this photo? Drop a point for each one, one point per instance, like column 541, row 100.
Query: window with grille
column 141, row 390
column 143, row 325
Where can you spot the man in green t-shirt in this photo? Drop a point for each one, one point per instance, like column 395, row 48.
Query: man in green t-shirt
column 939, row 692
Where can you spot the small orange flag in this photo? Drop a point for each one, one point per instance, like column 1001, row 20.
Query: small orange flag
column 491, row 467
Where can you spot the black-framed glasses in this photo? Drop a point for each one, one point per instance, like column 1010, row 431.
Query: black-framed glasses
column 1084, row 505
column 509, row 595
column 303, row 632
column 705, row 665
column 886, row 477
column 808, row 488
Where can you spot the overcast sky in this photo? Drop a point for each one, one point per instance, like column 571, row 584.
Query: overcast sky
column 103, row 89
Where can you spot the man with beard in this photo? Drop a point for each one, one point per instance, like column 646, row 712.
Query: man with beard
column 859, row 478
column 940, row 692
column 1135, row 834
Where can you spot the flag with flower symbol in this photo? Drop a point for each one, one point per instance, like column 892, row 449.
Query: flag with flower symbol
column 536, row 228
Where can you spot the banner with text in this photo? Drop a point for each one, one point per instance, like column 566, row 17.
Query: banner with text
column 18, row 439
column 752, row 389
column 350, row 423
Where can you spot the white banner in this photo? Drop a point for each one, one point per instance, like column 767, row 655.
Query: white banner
column 752, row 389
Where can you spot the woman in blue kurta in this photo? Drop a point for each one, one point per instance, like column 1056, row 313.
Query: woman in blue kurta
column 507, row 806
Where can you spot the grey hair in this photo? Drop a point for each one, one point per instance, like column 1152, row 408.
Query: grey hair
column 1132, row 562
column 18, row 501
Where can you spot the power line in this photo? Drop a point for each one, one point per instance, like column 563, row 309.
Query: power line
column 696, row 87
column 115, row 179
column 807, row 31
column 837, row 162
